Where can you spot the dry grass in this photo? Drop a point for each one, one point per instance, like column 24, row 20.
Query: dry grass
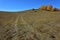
column 42, row 25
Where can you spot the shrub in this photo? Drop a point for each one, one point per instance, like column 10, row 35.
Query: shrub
column 33, row 9
column 53, row 9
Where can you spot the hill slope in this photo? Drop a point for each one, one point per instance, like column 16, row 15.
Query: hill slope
column 30, row 25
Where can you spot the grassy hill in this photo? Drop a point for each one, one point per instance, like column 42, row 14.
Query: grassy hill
column 30, row 25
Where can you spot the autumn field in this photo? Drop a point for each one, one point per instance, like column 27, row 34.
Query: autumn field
column 30, row 25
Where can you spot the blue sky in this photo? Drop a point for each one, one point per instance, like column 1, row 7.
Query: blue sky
column 19, row 5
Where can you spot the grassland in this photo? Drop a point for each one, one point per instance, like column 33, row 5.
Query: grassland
column 30, row 25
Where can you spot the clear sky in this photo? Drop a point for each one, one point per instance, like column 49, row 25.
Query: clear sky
column 19, row 5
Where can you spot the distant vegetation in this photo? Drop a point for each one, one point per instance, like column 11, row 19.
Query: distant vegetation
column 47, row 8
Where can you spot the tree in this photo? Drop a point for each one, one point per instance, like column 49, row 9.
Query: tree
column 43, row 7
column 49, row 7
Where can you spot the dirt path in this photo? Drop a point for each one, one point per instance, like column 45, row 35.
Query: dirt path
column 16, row 28
column 16, row 23
column 24, row 22
column 27, row 27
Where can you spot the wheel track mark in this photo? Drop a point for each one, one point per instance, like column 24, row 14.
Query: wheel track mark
column 6, row 33
column 15, row 27
column 12, row 33
column 28, row 27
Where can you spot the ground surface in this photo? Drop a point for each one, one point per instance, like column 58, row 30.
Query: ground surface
column 30, row 25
